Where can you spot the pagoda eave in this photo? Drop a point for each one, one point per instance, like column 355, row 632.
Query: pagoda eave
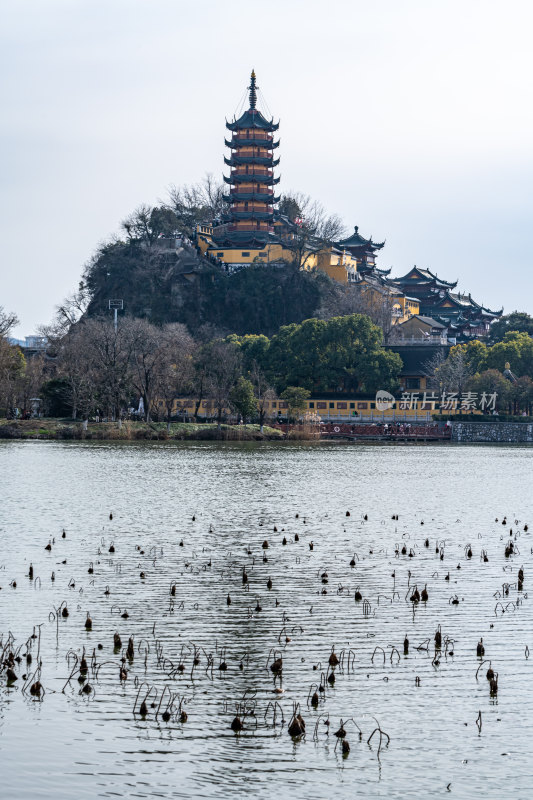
column 254, row 121
column 264, row 216
column 267, row 180
column 260, row 161
column 245, row 197
column 236, row 143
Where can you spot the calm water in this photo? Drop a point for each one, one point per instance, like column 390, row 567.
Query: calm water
column 72, row 744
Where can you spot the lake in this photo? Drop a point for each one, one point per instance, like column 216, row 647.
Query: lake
column 187, row 520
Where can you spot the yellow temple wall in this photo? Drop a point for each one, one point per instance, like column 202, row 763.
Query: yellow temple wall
column 272, row 252
column 409, row 309
column 204, row 244
column 336, row 271
column 349, row 408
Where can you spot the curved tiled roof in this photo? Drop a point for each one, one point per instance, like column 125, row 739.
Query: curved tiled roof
column 252, row 119
column 356, row 240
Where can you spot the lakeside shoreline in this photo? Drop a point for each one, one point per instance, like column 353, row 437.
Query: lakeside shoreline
column 65, row 430
column 135, row 431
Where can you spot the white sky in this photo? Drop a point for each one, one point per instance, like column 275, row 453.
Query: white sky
column 410, row 118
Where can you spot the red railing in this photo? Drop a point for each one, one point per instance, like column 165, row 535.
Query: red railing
column 394, row 430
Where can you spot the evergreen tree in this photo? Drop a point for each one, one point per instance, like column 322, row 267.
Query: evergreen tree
column 242, row 399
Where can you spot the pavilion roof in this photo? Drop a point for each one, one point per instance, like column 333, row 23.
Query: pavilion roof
column 427, row 320
column 356, row 240
column 424, row 276
column 463, row 301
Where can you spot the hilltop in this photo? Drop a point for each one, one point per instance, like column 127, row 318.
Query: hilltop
column 169, row 281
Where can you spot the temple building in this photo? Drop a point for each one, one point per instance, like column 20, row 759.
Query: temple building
column 459, row 313
column 254, row 231
column 363, row 250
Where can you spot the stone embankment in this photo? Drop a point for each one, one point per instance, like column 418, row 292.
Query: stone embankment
column 493, row 432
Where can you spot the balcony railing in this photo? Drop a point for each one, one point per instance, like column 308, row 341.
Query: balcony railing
column 262, row 207
column 252, row 191
column 258, row 137
column 251, row 152
column 420, row 341
column 262, row 228
column 265, row 173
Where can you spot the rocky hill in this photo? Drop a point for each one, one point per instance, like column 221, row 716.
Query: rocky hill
column 169, row 281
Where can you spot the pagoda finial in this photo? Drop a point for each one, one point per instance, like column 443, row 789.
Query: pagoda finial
column 252, row 87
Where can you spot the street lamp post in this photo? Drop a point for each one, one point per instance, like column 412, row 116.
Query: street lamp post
column 116, row 306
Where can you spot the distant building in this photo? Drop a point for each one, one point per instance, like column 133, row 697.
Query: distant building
column 423, row 329
column 31, row 345
column 459, row 313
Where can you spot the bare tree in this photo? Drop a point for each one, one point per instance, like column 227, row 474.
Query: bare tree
column 103, row 367
column 176, row 367
column 147, row 354
column 312, row 228
column 374, row 301
column 109, row 355
column 198, row 202
column 76, row 365
column 199, row 378
column 222, row 370
column 30, row 381
column 67, row 314
column 451, row 374
column 8, row 320
column 264, row 393
column 12, row 366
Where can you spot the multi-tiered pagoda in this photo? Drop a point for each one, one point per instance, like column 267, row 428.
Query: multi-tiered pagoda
column 251, row 198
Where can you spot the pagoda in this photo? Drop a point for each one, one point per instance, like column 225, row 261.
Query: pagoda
column 364, row 251
column 249, row 221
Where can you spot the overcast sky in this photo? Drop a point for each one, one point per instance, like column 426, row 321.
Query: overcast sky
column 410, row 118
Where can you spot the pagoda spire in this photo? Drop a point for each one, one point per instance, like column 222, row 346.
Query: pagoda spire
column 252, row 87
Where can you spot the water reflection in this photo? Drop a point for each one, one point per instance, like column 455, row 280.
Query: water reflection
column 93, row 745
